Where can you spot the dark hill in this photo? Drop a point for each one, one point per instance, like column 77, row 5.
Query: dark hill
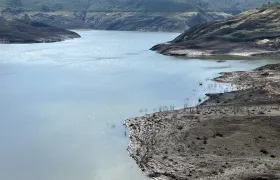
column 19, row 31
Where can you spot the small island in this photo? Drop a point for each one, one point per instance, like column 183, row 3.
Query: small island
column 251, row 34
column 21, row 31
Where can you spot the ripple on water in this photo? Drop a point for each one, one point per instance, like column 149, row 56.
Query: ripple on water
column 62, row 105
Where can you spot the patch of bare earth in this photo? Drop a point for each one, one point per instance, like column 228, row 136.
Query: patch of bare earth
column 234, row 135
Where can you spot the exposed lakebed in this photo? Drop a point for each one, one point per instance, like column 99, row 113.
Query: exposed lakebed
column 62, row 105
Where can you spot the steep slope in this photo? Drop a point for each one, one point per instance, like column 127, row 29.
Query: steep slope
column 149, row 15
column 140, row 21
column 16, row 31
column 231, row 6
column 144, row 15
column 252, row 33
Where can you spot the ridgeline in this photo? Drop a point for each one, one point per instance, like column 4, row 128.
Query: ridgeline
column 140, row 15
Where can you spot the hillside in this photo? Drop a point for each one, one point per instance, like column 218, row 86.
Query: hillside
column 145, row 15
column 139, row 21
column 16, row 31
column 231, row 6
column 252, row 33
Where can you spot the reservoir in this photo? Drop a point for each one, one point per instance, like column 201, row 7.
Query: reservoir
column 62, row 105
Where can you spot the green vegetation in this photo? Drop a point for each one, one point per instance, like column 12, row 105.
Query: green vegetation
column 256, row 30
column 262, row 23
column 141, row 15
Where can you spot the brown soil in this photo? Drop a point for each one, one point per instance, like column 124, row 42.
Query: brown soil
column 234, row 135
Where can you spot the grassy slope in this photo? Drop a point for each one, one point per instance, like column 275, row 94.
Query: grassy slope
column 247, row 26
column 244, row 30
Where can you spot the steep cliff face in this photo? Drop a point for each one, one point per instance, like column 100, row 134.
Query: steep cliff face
column 255, row 32
column 16, row 31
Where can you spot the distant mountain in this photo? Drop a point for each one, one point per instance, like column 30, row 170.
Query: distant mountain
column 231, row 6
column 19, row 31
column 146, row 15
column 252, row 33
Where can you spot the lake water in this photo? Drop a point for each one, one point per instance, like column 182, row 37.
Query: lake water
column 62, row 105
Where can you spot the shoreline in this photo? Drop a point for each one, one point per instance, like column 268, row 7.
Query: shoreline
column 253, row 33
column 232, row 135
column 166, row 49
column 28, row 32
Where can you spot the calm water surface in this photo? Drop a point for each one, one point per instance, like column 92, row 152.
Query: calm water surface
column 62, row 105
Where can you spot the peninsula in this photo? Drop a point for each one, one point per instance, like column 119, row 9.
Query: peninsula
column 252, row 33
column 20, row 31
